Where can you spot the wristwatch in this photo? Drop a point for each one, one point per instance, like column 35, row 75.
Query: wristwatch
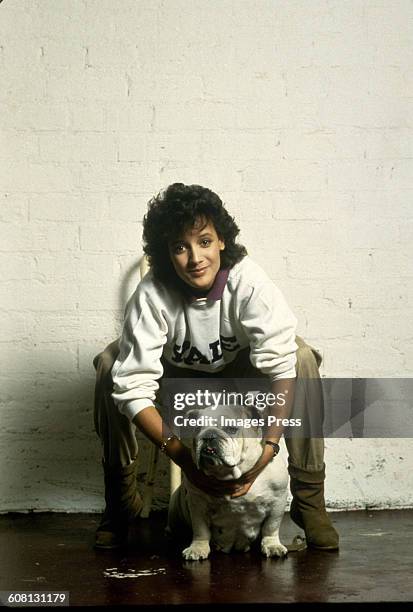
column 275, row 447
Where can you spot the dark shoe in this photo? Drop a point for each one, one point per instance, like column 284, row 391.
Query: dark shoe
column 123, row 505
column 111, row 533
column 308, row 511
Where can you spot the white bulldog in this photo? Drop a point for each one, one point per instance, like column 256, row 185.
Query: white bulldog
column 226, row 523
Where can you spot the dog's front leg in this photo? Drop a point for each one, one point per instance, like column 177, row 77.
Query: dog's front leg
column 270, row 542
column 201, row 534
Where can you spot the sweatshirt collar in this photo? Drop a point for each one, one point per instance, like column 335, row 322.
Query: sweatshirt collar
column 216, row 291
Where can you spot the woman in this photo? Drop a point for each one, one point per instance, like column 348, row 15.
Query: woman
column 204, row 309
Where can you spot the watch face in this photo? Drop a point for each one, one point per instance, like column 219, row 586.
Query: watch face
column 275, row 447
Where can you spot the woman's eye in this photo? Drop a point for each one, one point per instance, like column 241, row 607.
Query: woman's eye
column 206, row 242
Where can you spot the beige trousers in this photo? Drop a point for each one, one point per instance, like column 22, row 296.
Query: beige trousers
column 305, row 454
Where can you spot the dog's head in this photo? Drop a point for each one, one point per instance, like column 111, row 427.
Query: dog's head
column 226, row 440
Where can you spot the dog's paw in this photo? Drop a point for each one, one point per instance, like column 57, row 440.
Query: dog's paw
column 197, row 551
column 272, row 547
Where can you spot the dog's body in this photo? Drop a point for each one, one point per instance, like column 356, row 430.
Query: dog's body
column 231, row 523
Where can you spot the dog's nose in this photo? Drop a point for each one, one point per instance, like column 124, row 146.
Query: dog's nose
column 208, row 455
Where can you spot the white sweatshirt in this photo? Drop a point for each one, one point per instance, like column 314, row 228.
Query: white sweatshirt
column 203, row 334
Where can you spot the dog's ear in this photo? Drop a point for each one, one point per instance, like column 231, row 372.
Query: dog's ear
column 251, row 413
column 194, row 413
column 190, row 432
column 257, row 404
column 253, row 408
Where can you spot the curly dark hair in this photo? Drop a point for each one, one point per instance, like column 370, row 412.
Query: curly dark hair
column 172, row 212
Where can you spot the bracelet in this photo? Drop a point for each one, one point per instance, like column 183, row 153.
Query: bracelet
column 164, row 444
column 275, row 447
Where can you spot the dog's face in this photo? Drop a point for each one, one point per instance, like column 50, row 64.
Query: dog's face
column 221, row 445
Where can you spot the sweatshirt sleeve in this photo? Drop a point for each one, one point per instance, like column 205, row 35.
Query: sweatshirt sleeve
column 138, row 366
column 270, row 327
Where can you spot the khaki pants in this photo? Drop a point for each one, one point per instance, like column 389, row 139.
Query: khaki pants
column 305, row 454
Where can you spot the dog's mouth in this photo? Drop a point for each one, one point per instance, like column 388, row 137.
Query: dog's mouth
column 211, row 457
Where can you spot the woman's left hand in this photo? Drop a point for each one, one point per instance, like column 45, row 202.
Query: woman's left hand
column 247, row 479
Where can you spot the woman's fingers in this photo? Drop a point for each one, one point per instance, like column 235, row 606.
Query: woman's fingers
column 242, row 490
column 219, row 488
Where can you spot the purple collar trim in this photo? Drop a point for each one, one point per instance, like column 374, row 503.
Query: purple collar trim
column 217, row 289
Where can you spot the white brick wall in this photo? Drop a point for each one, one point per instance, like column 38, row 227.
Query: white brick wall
column 300, row 114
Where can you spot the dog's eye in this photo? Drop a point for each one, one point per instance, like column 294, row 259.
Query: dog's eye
column 231, row 431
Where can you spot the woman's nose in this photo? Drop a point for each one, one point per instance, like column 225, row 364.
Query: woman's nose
column 194, row 255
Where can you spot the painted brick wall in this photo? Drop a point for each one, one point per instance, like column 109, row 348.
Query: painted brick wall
column 298, row 113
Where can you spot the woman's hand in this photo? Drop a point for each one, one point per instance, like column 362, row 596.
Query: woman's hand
column 247, row 479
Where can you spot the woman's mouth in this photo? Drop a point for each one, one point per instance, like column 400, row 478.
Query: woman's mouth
column 198, row 272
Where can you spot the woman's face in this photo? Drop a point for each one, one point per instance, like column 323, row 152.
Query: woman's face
column 196, row 255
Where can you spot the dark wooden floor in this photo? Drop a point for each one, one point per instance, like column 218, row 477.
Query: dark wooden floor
column 54, row 552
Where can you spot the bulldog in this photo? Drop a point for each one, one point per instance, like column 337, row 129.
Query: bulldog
column 226, row 445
